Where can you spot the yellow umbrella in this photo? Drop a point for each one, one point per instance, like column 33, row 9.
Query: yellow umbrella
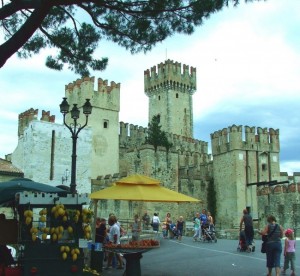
column 141, row 188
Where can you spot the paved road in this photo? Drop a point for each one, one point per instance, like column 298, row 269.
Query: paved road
column 190, row 258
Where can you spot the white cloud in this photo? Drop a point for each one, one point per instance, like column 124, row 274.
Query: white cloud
column 248, row 67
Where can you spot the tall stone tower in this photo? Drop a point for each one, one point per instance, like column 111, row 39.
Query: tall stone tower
column 104, row 121
column 237, row 163
column 170, row 90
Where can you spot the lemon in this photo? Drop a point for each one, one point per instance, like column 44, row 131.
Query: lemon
column 53, row 209
column 88, row 228
column 85, row 211
column 33, row 236
column 64, row 255
column 46, row 230
column 44, row 236
column 62, row 248
column 28, row 220
column 42, row 219
column 65, row 218
column 70, row 229
column 77, row 251
column 57, row 230
column 61, row 211
column 54, row 237
column 74, row 257
column 61, row 229
column 67, row 248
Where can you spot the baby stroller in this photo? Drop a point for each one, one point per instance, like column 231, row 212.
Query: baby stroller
column 242, row 246
column 173, row 231
column 208, row 233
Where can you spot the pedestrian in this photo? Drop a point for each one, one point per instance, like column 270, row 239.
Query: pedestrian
column 136, row 228
column 114, row 237
column 203, row 222
column 289, row 251
column 210, row 221
column 248, row 228
column 273, row 246
column 101, row 230
column 196, row 227
column 179, row 228
column 155, row 222
column 146, row 220
column 168, row 222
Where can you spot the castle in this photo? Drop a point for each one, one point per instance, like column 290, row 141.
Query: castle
column 108, row 149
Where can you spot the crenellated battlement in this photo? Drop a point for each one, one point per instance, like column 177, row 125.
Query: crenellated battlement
column 170, row 75
column 132, row 136
column 31, row 114
column 247, row 138
column 105, row 96
column 279, row 189
column 47, row 117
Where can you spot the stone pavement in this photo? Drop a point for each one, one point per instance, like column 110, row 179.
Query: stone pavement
column 190, row 258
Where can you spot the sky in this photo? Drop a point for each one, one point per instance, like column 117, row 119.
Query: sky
column 248, row 67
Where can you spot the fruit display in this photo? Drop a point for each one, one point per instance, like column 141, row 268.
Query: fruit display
column 149, row 243
column 63, row 224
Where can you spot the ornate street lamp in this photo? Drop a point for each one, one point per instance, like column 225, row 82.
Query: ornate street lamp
column 75, row 128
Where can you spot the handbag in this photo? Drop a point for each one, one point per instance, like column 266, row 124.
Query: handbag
column 265, row 239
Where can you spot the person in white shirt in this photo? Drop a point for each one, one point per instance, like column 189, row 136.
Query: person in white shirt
column 114, row 237
column 155, row 222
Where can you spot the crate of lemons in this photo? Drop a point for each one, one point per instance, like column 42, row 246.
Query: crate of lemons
column 66, row 220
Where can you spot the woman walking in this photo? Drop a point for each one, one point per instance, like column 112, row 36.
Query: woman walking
column 274, row 247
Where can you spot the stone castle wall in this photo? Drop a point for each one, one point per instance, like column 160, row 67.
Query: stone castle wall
column 44, row 153
column 242, row 155
column 283, row 201
column 104, row 120
column 170, row 90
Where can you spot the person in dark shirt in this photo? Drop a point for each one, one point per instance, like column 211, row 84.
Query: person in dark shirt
column 203, row 221
column 248, row 228
column 100, row 230
column 146, row 221
column 179, row 227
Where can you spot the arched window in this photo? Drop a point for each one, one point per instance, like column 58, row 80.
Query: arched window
column 105, row 124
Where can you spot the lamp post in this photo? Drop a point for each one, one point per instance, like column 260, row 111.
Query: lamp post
column 75, row 128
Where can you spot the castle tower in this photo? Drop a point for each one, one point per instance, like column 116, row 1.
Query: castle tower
column 104, row 121
column 242, row 158
column 170, row 90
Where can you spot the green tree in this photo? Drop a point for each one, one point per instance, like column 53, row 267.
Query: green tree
column 74, row 28
column 155, row 136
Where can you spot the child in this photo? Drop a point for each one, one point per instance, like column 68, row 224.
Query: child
column 164, row 230
column 179, row 228
column 289, row 251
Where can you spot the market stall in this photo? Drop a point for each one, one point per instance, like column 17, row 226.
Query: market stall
column 46, row 231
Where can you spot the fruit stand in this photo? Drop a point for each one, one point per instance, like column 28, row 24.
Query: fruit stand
column 50, row 228
column 132, row 252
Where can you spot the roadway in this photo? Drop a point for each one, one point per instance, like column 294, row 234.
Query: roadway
column 190, row 258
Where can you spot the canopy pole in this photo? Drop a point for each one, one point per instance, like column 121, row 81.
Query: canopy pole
column 95, row 201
